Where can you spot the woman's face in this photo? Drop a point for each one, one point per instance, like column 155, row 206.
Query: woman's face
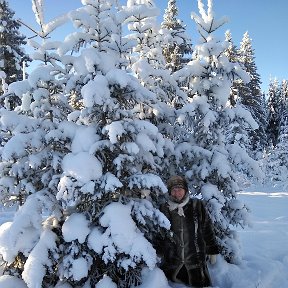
column 178, row 193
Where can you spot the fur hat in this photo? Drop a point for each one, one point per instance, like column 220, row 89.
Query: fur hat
column 177, row 181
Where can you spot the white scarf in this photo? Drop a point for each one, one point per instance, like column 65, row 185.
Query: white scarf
column 173, row 205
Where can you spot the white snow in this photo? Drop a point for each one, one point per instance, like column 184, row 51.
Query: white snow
column 82, row 166
column 121, row 235
column 144, row 141
column 106, row 282
column 84, row 138
column 8, row 281
column 37, row 7
column 23, row 232
column 26, row 101
column 79, row 268
column 19, row 88
column 46, row 28
column 4, row 238
column 92, row 94
column 115, row 130
column 39, row 74
column 75, row 227
column 38, row 259
column 154, row 278
column 264, row 246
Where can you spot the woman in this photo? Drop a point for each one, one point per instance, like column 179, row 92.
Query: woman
column 193, row 239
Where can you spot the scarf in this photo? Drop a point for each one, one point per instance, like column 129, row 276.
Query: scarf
column 173, row 205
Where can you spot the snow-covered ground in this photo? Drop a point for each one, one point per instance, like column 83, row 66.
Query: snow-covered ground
column 264, row 245
column 264, row 248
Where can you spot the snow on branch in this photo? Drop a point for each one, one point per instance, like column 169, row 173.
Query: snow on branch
column 207, row 21
column 53, row 24
column 37, row 7
column 46, row 29
column 209, row 15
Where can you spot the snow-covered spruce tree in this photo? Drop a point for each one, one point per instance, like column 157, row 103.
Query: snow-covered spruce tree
column 208, row 159
column 177, row 47
column 103, row 172
column 273, row 116
column 12, row 53
column 251, row 96
column 147, row 61
column 243, row 92
column 126, row 149
column 283, row 105
column 232, row 54
column 23, row 130
column 149, row 66
column 238, row 129
column 29, row 160
column 277, row 157
column 29, row 165
column 277, row 160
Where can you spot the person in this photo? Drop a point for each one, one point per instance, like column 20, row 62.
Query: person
column 183, row 256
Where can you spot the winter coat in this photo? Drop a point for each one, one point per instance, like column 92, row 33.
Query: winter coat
column 192, row 240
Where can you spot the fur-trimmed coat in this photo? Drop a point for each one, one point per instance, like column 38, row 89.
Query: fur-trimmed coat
column 192, row 240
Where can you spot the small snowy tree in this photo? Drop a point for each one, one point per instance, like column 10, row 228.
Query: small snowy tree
column 277, row 160
column 232, row 55
column 12, row 55
column 176, row 45
column 42, row 107
column 95, row 179
column 148, row 62
column 273, row 115
column 150, row 67
column 207, row 158
column 251, row 96
column 283, row 105
column 237, row 131
column 31, row 169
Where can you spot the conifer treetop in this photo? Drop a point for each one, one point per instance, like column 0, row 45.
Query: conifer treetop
column 206, row 22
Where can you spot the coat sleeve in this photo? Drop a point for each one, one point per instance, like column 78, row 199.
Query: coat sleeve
column 160, row 242
column 212, row 246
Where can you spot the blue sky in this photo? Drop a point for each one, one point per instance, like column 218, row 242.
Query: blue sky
column 266, row 22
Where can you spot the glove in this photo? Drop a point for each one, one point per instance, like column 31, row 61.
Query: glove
column 212, row 259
